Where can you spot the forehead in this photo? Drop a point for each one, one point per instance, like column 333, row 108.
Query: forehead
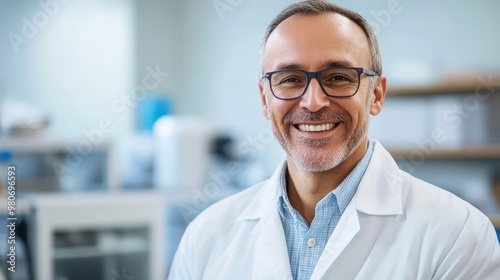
column 313, row 42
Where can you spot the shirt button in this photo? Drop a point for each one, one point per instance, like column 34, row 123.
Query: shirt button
column 311, row 242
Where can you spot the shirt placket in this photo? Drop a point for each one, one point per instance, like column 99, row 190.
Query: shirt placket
column 313, row 240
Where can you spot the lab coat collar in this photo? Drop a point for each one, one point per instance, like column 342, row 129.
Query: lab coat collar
column 268, row 231
column 380, row 191
column 265, row 199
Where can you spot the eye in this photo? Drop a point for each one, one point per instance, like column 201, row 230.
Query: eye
column 290, row 80
column 339, row 78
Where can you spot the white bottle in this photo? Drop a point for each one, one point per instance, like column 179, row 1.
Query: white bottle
column 181, row 151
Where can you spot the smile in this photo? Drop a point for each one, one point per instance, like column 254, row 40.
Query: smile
column 318, row 127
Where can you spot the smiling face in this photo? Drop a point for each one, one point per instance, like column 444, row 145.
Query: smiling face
column 319, row 132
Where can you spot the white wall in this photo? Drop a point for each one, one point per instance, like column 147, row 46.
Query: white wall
column 75, row 62
column 158, row 44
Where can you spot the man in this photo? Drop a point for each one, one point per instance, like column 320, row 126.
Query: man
column 338, row 207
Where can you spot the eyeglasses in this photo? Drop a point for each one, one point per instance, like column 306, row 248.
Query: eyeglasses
column 339, row 81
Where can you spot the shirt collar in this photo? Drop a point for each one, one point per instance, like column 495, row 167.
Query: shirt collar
column 343, row 194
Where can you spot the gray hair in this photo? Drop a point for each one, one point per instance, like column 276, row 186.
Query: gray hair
column 317, row 7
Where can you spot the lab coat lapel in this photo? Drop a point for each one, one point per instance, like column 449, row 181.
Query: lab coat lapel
column 349, row 250
column 378, row 194
column 346, row 230
column 271, row 253
column 271, row 249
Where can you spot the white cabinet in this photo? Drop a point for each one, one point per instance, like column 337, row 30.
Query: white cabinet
column 98, row 236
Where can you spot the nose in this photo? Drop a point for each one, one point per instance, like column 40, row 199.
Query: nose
column 314, row 99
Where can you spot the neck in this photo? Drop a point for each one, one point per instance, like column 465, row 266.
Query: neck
column 306, row 189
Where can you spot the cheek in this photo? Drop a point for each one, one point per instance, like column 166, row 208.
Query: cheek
column 357, row 113
column 279, row 109
column 277, row 121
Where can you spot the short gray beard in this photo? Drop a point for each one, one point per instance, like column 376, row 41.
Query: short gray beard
column 320, row 162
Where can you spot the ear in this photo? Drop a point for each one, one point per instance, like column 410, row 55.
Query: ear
column 379, row 92
column 263, row 99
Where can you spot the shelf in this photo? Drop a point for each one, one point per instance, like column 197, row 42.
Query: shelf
column 48, row 144
column 452, row 85
column 485, row 152
column 92, row 251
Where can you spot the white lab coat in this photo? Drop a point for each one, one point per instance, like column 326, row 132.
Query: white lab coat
column 395, row 227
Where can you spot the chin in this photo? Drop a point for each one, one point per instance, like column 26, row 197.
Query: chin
column 319, row 160
column 322, row 155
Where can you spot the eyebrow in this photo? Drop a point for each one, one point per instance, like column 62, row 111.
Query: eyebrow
column 327, row 64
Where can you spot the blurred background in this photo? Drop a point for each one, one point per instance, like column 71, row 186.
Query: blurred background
column 125, row 118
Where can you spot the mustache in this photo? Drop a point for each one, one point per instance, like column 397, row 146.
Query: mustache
column 321, row 115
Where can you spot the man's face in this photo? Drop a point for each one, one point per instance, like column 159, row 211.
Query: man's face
column 313, row 43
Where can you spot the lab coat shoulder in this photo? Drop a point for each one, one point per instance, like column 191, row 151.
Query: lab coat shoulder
column 385, row 189
column 229, row 208
column 425, row 232
column 434, row 209
column 211, row 238
column 465, row 244
column 429, row 204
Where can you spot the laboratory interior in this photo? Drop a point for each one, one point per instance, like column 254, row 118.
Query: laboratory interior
column 121, row 120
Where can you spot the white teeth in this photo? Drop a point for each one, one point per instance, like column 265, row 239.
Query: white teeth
column 320, row 127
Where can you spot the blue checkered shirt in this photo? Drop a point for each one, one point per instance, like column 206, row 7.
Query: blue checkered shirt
column 306, row 244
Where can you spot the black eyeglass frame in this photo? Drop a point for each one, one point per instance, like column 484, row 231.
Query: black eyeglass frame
column 317, row 76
